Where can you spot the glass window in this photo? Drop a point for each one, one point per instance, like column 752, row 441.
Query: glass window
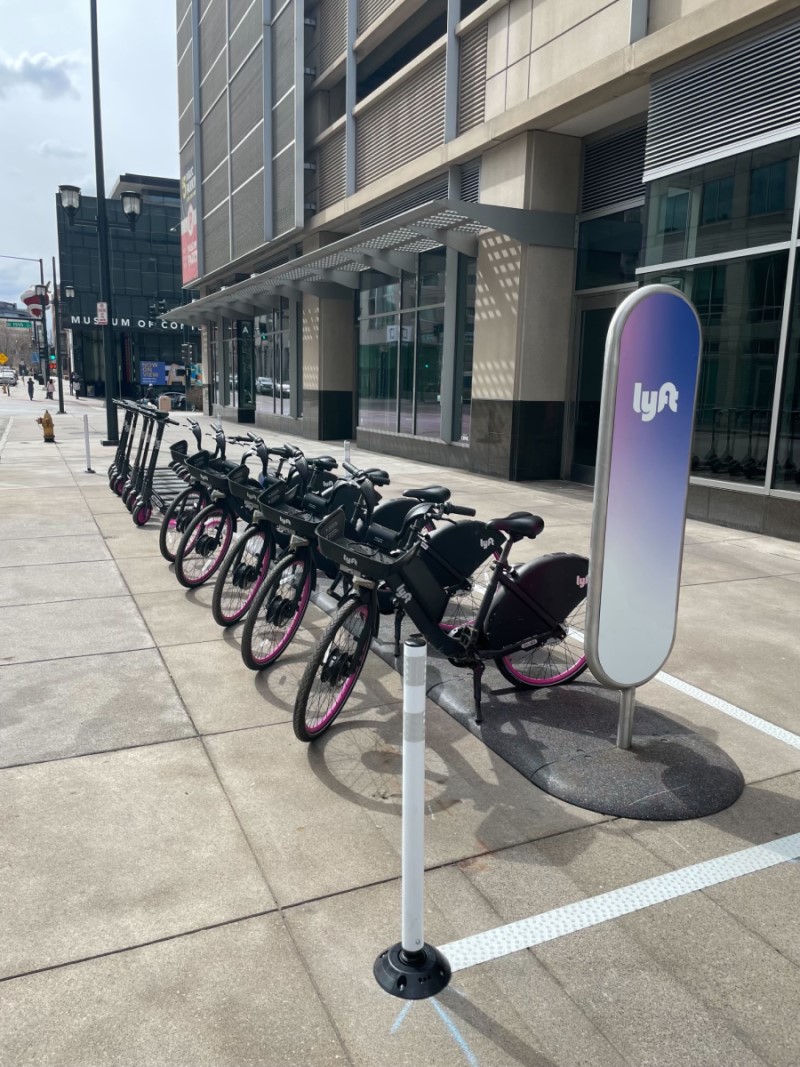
column 379, row 293
column 377, row 373
column 467, row 271
column 406, row 343
column 733, row 203
column 768, row 188
column 608, row 249
column 431, row 277
column 787, row 451
column 427, row 387
column 739, row 303
column 273, row 350
column 717, row 200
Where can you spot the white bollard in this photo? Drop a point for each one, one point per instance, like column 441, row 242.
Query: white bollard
column 86, row 443
column 413, row 969
column 347, row 451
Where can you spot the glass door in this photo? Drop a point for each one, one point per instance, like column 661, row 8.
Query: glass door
column 594, row 316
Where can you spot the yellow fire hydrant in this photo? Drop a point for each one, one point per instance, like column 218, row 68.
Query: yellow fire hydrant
column 48, row 429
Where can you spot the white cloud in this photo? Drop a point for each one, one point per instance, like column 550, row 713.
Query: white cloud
column 51, row 75
column 56, row 150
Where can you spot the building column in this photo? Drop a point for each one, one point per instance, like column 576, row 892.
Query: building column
column 523, row 313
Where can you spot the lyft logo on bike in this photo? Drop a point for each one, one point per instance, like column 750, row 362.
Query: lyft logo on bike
column 650, row 404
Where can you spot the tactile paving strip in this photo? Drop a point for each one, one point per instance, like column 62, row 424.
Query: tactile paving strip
column 492, row 944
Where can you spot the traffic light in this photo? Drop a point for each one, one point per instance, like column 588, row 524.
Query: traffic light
column 152, row 310
column 162, row 307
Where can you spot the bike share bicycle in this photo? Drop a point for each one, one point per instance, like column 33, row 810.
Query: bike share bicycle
column 525, row 623
column 280, row 606
column 247, row 563
column 195, row 496
column 208, row 536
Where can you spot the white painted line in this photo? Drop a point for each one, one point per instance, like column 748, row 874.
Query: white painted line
column 730, row 709
column 492, row 944
column 719, row 704
column 7, row 432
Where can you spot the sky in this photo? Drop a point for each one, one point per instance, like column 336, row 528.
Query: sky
column 46, row 126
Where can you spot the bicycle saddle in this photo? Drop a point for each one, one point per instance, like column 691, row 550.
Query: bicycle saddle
column 431, row 494
column 518, row 524
column 325, row 463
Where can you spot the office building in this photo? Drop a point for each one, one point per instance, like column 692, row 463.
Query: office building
column 411, row 222
column 145, row 282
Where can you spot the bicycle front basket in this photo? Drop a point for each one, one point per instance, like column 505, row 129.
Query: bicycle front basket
column 355, row 557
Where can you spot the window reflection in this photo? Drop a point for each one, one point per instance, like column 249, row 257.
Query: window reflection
column 740, row 304
column 787, row 452
column 739, row 202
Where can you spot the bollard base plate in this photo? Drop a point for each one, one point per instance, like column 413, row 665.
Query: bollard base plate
column 412, row 976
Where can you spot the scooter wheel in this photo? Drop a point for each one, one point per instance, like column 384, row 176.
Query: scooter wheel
column 131, row 503
column 118, row 486
column 141, row 515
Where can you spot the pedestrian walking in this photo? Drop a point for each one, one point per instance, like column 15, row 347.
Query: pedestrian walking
column 30, row 388
column 50, row 390
column 150, row 394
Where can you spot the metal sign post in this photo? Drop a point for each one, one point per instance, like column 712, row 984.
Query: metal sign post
column 644, row 452
column 413, row 969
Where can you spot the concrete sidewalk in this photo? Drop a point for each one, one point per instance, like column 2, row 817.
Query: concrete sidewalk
column 183, row 883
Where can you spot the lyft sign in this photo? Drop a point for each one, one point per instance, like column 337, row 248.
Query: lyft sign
column 643, row 458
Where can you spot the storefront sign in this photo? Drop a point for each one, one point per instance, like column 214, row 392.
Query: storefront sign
column 644, row 451
column 189, row 225
column 152, row 372
column 141, row 324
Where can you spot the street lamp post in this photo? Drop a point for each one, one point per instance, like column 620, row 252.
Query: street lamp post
column 69, row 294
column 41, row 292
column 131, row 202
column 57, row 331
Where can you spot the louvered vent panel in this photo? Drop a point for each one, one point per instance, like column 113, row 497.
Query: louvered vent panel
column 283, row 124
column 247, row 98
column 248, row 217
column 612, row 170
column 436, row 189
column 331, row 173
column 184, row 33
column 212, row 36
column 283, row 192
column 332, row 31
column 472, row 79
column 214, row 83
column 247, row 158
column 369, row 11
column 186, row 125
column 402, row 125
column 283, row 52
column 215, row 189
column 740, row 93
column 245, row 36
column 214, row 135
column 216, row 240
column 237, row 9
column 185, row 80
column 470, row 182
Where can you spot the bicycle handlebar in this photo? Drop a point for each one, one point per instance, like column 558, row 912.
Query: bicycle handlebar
column 456, row 509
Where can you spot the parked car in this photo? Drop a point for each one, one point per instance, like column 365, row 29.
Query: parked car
column 8, row 376
column 264, row 386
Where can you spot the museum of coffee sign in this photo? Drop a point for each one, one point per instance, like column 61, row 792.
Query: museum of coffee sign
column 129, row 323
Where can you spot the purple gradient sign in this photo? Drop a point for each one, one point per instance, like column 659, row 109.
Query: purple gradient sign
column 643, row 457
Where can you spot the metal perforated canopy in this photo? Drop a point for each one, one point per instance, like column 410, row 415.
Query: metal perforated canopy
column 333, row 271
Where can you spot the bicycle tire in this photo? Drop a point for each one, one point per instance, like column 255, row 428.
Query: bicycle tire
column 307, row 721
column 281, row 615
column 257, row 541
column 552, row 662
column 169, row 536
column 184, row 572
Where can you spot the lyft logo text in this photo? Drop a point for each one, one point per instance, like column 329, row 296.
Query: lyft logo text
column 649, row 404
